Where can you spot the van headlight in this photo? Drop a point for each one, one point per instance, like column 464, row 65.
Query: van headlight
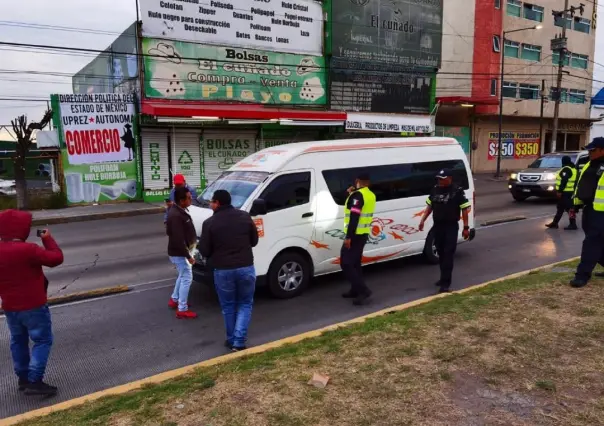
column 514, row 176
column 549, row 176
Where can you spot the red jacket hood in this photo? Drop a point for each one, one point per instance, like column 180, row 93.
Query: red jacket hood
column 15, row 225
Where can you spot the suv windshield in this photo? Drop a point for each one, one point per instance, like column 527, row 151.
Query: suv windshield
column 550, row 162
column 239, row 184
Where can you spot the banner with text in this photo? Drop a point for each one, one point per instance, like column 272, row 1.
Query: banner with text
column 232, row 74
column 285, row 26
column 99, row 146
column 389, row 123
column 514, row 145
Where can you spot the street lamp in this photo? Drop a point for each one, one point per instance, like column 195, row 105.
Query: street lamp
column 502, row 50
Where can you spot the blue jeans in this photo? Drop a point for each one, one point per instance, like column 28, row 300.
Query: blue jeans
column 183, row 282
column 235, row 288
column 36, row 325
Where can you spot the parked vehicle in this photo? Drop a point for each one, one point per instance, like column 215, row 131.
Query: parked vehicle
column 539, row 179
column 296, row 195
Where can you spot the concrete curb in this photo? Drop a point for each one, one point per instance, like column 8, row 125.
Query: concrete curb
column 85, row 295
column 162, row 377
column 96, row 216
column 503, row 220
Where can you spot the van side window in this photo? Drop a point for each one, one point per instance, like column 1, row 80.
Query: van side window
column 287, row 191
column 395, row 181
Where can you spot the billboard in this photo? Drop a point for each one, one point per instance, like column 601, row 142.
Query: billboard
column 195, row 72
column 514, row 145
column 98, row 146
column 294, row 26
column 401, row 32
column 385, row 88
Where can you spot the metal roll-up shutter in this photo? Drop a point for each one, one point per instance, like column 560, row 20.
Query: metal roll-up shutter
column 224, row 148
column 186, row 156
column 271, row 139
column 156, row 165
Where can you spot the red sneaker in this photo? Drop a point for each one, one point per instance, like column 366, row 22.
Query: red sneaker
column 186, row 315
column 172, row 304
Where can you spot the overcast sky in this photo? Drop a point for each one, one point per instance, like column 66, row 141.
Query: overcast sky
column 20, row 21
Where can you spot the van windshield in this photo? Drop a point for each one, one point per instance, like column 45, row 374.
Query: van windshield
column 239, row 184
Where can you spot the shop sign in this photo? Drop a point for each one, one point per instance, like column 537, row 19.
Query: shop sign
column 401, row 32
column 514, row 145
column 222, row 152
column 375, row 87
column 99, row 146
column 392, row 124
column 285, row 26
column 232, row 74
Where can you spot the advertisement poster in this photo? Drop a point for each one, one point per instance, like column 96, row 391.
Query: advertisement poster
column 173, row 71
column 514, row 145
column 294, row 26
column 399, row 32
column 98, row 146
column 375, row 87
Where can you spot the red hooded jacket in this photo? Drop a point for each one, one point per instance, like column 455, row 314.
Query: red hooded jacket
column 21, row 276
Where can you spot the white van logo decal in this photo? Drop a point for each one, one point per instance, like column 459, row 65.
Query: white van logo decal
column 380, row 229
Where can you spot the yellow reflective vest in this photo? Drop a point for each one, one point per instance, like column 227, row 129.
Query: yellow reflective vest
column 364, row 226
column 599, row 195
column 570, row 184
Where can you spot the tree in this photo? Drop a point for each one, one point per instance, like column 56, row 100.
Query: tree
column 24, row 132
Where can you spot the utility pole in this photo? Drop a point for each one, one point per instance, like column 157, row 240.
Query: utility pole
column 559, row 45
column 541, row 117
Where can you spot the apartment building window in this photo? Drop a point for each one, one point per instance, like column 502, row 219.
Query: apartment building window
column 497, row 4
column 514, row 8
column 579, row 61
column 556, row 58
column 510, row 90
column 496, row 44
column 558, row 22
column 532, row 12
column 576, row 96
column 582, row 25
column 563, row 94
column 511, row 49
column 531, row 52
column 529, row 91
column 493, row 87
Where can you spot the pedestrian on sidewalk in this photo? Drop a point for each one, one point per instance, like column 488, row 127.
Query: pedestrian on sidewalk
column 24, row 301
column 446, row 200
column 182, row 239
column 227, row 239
column 565, row 188
column 589, row 195
column 179, row 182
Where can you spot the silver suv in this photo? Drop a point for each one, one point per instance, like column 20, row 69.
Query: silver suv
column 539, row 179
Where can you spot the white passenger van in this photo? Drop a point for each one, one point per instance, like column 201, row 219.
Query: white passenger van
column 296, row 194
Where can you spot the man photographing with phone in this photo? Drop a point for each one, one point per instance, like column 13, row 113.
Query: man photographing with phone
column 23, row 294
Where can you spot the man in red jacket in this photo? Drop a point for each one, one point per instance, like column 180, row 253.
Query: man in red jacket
column 23, row 295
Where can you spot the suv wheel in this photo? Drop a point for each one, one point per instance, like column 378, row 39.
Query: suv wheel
column 430, row 252
column 288, row 275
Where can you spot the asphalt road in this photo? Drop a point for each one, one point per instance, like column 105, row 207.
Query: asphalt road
column 110, row 341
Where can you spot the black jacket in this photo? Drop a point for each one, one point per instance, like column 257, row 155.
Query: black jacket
column 227, row 239
column 181, row 233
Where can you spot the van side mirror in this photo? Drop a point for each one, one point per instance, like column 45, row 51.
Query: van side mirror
column 258, row 207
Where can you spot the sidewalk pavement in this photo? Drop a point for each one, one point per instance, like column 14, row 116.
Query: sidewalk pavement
column 94, row 212
column 487, row 184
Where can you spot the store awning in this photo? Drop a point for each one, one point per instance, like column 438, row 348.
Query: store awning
column 468, row 100
column 235, row 112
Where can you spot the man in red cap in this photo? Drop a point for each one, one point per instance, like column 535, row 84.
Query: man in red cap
column 179, row 182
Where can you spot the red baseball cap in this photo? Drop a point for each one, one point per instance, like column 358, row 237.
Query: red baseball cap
column 179, row 180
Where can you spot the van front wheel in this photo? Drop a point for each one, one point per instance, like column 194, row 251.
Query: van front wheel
column 430, row 252
column 288, row 275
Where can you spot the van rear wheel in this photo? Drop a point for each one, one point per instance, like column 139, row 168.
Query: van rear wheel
column 288, row 275
column 430, row 252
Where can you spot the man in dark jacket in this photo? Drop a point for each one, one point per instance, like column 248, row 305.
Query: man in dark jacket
column 23, row 295
column 227, row 239
column 181, row 243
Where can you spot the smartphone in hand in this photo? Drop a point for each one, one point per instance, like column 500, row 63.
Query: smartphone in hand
column 40, row 233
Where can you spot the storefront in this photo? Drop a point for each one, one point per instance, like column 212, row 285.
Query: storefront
column 573, row 135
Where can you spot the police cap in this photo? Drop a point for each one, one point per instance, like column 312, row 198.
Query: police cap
column 363, row 176
column 444, row 173
column 596, row 143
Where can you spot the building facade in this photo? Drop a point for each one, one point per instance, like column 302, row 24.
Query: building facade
column 468, row 86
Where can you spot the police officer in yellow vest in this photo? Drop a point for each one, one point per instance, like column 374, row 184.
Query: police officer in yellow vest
column 589, row 195
column 446, row 201
column 565, row 188
column 359, row 210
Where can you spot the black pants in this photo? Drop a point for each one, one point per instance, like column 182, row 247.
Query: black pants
column 350, row 262
column 445, row 239
column 564, row 204
column 592, row 252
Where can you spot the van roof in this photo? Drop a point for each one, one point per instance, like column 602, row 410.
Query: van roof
column 273, row 159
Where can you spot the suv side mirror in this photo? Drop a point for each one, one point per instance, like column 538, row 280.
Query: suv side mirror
column 258, row 207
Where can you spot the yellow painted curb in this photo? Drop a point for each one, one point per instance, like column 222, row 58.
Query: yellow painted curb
column 162, row 377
